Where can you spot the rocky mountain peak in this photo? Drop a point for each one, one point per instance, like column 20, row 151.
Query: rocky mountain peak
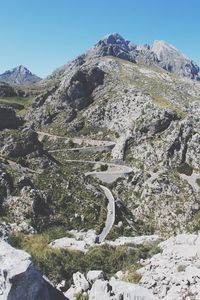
column 163, row 49
column 117, row 39
column 21, row 69
column 113, row 38
column 19, row 75
column 173, row 60
column 160, row 53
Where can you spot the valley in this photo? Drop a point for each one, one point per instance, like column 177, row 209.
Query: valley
column 100, row 172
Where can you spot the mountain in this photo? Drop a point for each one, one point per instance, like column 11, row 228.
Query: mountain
column 174, row 61
column 160, row 53
column 151, row 115
column 106, row 150
column 19, row 76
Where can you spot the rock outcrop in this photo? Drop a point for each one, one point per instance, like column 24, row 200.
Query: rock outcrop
column 94, row 275
column 23, row 143
column 174, row 274
column 19, row 279
column 7, row 229
column 8, row 118
column 174, row 61
column 6, row 90
column 101, row 288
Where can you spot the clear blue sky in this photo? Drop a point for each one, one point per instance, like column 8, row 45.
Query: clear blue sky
column 45, row 34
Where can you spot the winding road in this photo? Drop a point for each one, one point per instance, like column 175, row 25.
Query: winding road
column 110, row 220
column 113, row 172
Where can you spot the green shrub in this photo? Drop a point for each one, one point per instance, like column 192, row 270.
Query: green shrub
column 57, row 232
column 104, row 167
column 133, row 275
column 58, row 264
column 71, row 144
column 186, row 169
column 194, row 225
column 80, row 296
column 198, row 181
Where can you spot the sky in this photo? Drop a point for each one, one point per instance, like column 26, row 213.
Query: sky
column 44, row 34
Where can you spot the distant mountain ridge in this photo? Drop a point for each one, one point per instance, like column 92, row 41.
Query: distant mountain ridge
column 19, row 76
column 160, row 53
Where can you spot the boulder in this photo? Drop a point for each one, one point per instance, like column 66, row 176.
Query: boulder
column 71, row 293
column 80, row 282
column 69, row 243
column 137, row 240
column 116, row 290
column 93, row 275
column 100, row 290
column 19, row 279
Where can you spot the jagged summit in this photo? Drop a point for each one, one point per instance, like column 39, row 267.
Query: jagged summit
column 19, row 75
column 160, row 53
column 117, row 39
column 113, row 38
column 22, row 69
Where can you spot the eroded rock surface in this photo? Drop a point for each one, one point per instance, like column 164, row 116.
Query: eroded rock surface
column 8, row 118
column 174, row 274
column 20, row 280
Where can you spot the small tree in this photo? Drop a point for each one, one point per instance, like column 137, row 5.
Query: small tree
column 104, row 167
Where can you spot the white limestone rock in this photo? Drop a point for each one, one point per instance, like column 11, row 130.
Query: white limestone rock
column 138, row 240
column 69, row 243
column 100, row 290
column 80, row 282
column 71, row 293
column 19, row 280
column 130, row 291
column 81, row 241
column 93, row 275
column 174, row 273
column 115, row 290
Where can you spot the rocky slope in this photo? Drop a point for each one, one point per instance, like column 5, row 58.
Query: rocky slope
column 117, row 107
column 151, row 114
column 174, row 273
column 19, row 75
